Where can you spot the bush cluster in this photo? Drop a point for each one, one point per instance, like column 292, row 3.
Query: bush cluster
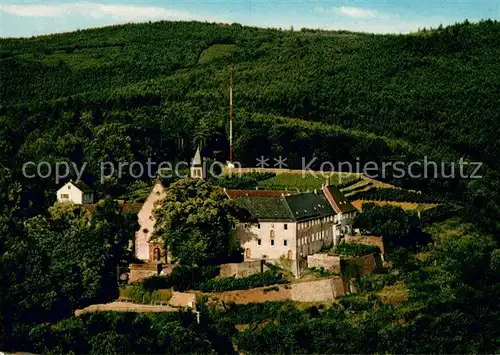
column 231, row 283
column 399, row 195
column 376, row 282
column 182, row 278
column 348, row 249
column 438, row 213
column 141, row 295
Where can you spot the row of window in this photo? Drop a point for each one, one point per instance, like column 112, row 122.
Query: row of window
column 247, row 225
column 314, row 237
column 259, row 242
column 315, row 222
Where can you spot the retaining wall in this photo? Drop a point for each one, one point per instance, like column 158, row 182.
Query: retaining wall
column 328, row 262
column 243, row 269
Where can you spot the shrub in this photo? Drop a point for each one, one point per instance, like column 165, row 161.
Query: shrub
column 141, row 295
column 272, row 288
column 376, row 282
column 319, row 271
column 250, row 312
column 400, row 195
column 231, row 283
column 438, row 213
column 355, row 249
column 182, row 278
column 355, row 303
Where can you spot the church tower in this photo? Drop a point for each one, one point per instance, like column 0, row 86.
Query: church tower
column 197, row 166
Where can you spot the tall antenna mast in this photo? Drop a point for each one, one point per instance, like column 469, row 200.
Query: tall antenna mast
column 230, row 114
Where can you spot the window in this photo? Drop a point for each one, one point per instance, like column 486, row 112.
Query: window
column 284, row 243
column 271, row 234
column 285, row 226
column 233, row 225
column 258, row 226
column 259, row 242
column 156, row 254
column 69, row 187
column 272, row 242
column 64, row 196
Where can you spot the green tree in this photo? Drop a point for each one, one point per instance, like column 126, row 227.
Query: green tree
column 194, row 221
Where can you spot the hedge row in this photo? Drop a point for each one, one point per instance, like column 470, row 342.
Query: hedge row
column 141, row 295
column 358, row 188
column 399, row 195
column 349, row 183
column 247, row 181
column 182, row 278
column 355, row 249
column 231, row 283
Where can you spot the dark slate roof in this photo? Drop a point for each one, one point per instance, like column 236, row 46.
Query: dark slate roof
column 309, row 206
column 82, row 186
column 337, row 200
column 290, row 208
column 265, row 208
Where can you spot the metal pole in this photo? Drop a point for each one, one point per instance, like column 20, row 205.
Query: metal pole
column 230, row 114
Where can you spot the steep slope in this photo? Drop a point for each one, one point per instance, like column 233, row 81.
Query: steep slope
column 160, row 88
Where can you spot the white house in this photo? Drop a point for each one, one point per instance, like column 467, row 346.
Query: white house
column 77, row 192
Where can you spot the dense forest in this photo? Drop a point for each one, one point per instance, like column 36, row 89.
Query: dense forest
column 157, row 90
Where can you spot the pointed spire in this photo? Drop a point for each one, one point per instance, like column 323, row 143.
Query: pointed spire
column 197, row 157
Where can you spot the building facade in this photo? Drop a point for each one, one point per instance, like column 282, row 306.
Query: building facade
column 288, row 227
column 76, row 192
column 145, row 249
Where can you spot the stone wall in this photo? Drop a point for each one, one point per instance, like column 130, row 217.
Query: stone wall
column 366, row 265
column 325, row 290
column 328, row 262
column 183, row 299
column 142, row 271
column 255, row 295
column 366, row 239
column 243, row 269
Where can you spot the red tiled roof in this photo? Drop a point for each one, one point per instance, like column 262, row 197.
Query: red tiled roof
column 337, row 200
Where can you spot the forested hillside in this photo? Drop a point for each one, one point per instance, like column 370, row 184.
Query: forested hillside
column 132, row 92
column 158, row 87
